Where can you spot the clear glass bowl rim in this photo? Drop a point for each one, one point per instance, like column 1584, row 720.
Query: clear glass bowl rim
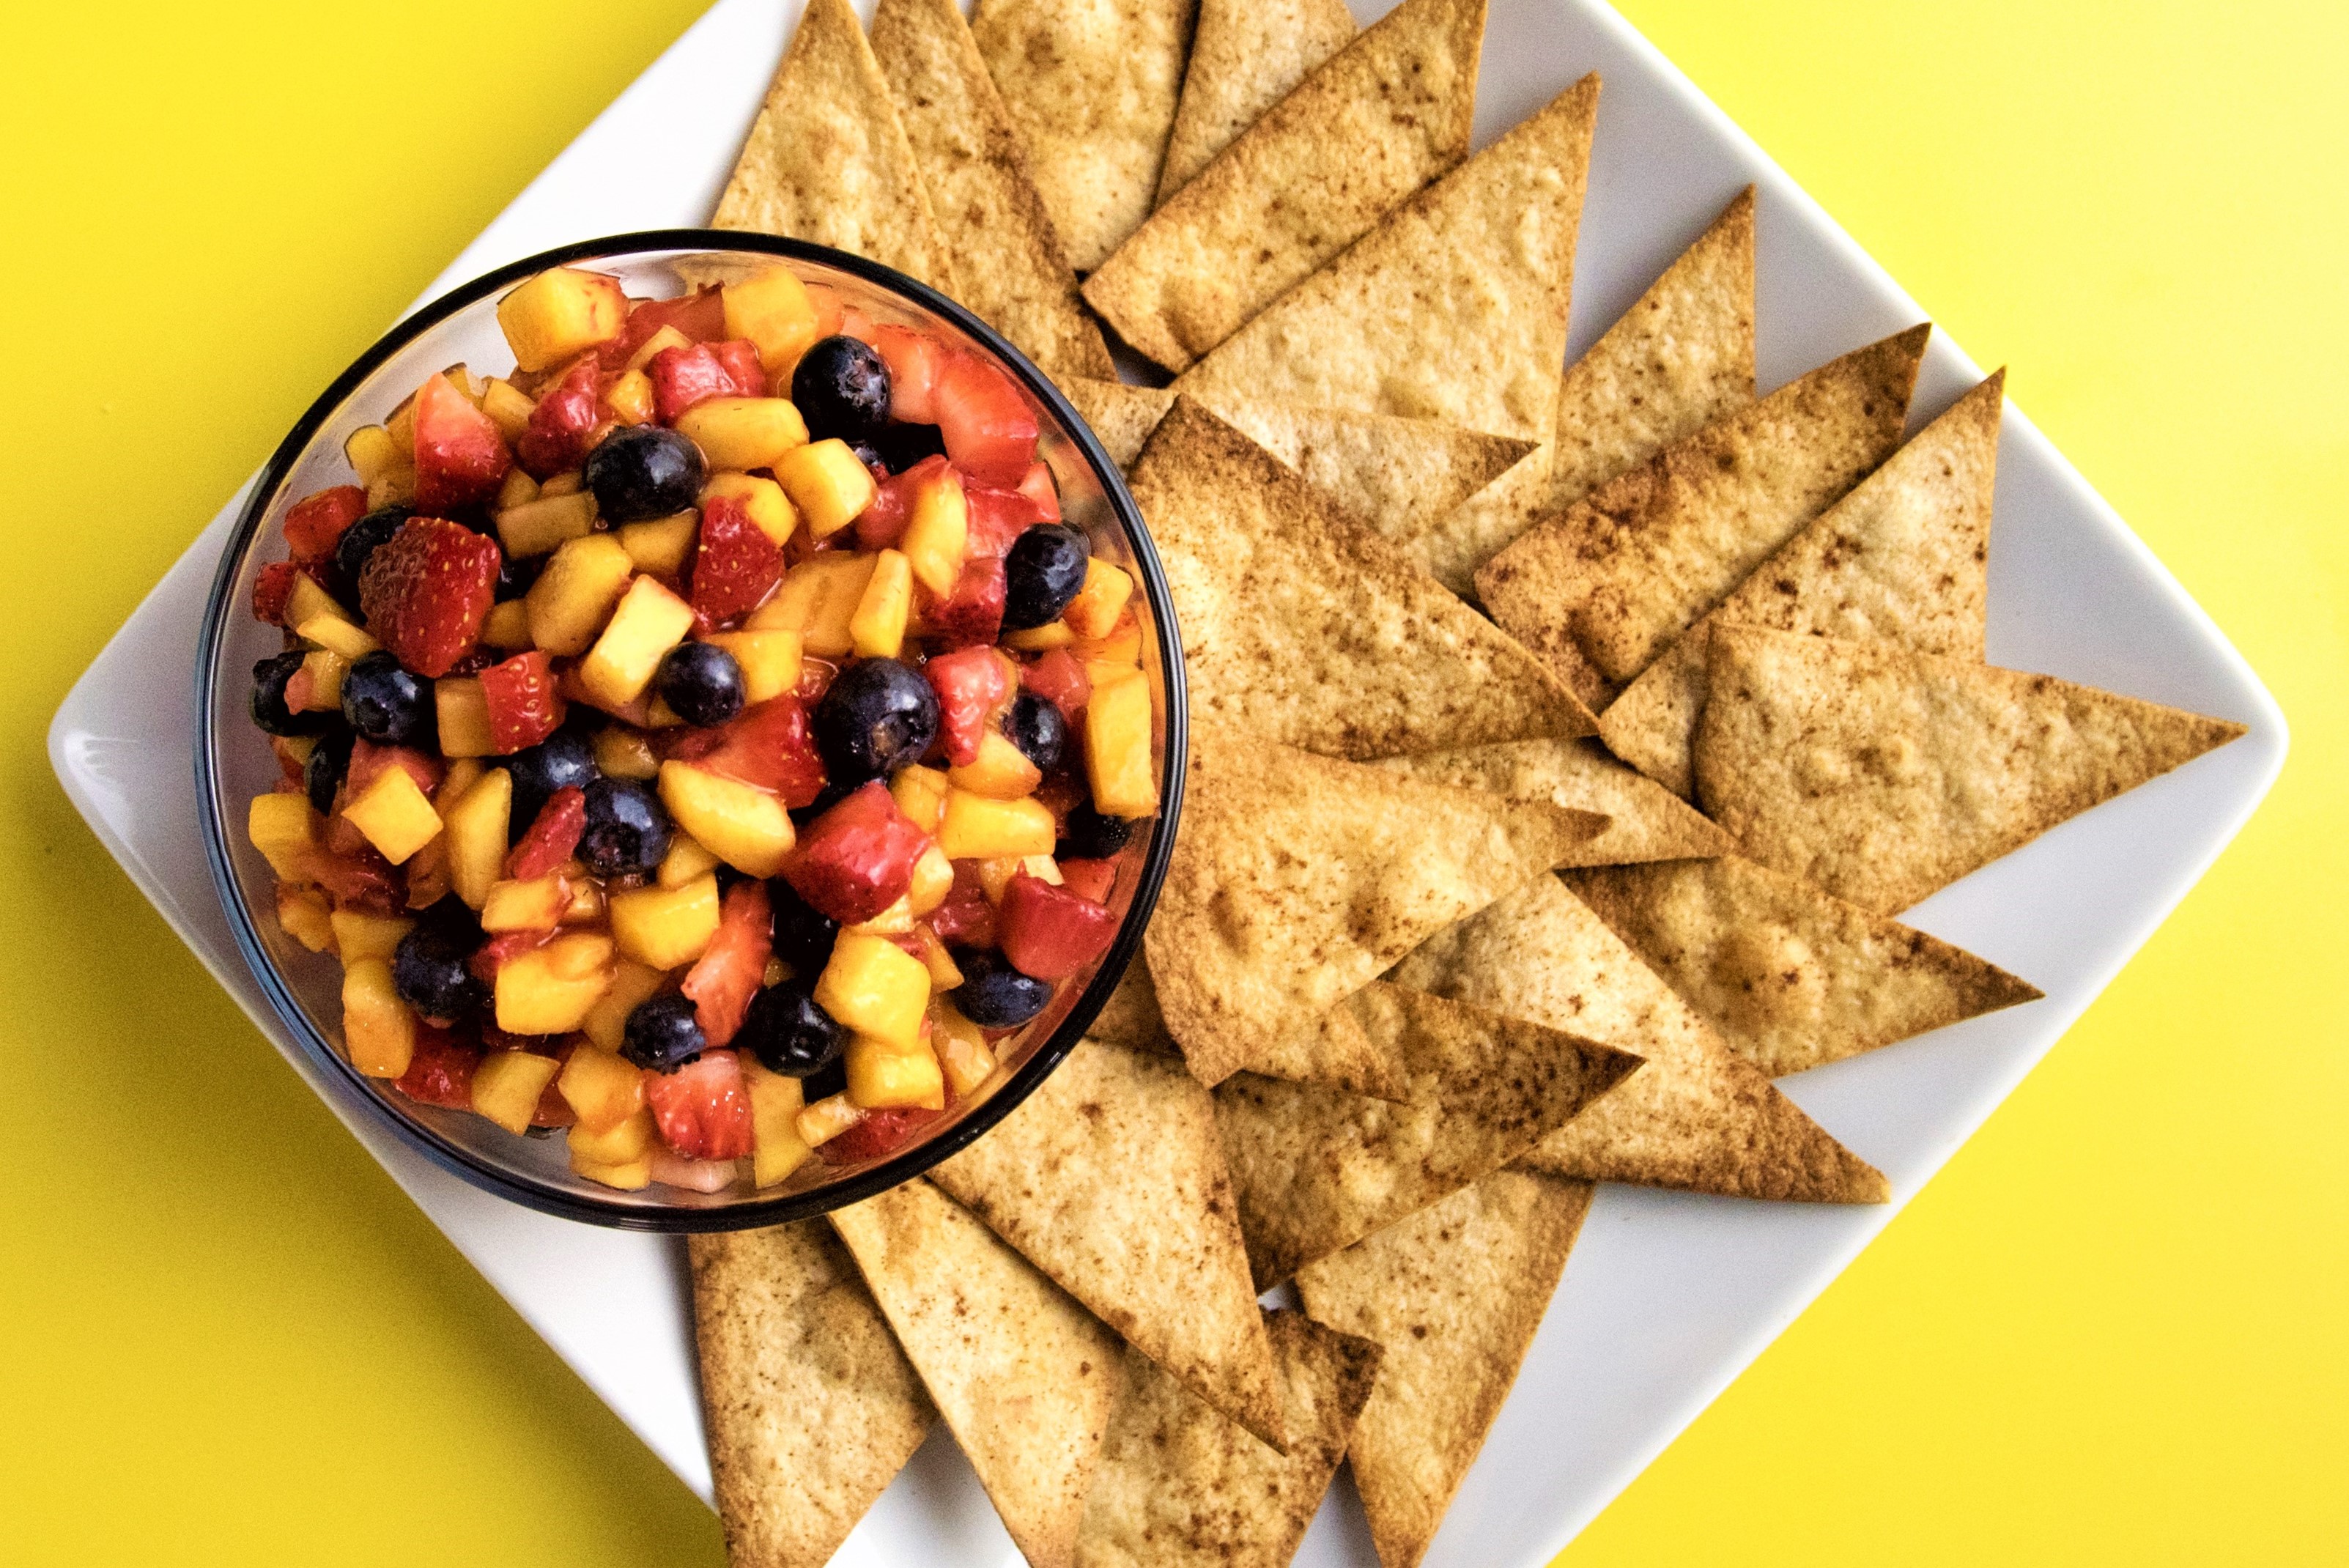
column 513, row 1184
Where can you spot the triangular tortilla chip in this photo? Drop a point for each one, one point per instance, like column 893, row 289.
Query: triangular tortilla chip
column 1122, row 416
column 1304, row 627
column 1790, row 976
column 1245, row 57
column 1696, row 1116
column 1317, row 1169
column 1111, row 1179
column 827, row 159
column 1452, row 1296
column 1454, row 308
column 1181, row 1487
column 1008, row 257
column 1385, row 115
column 1903, row 558
column 811, row 1408
column 1883, row 774
column 1025, row 1378
column 1603, row 587
column 1644, row 820
column 1131, row 1017
column 1297, row 879
column 1092, row 86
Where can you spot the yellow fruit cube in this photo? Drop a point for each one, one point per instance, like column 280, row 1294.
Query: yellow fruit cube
column 1115, row 654
column 661, row 545
column 572, row 597
column 378, row 1028
column 459, row 775
column 770, row 660
column 549, row 989
column 586, row 905
column 513, row 489
column 828, row 483
column 631, row 398
column 685, row 860
column 395, row 816
column 661, row 342
column 776, row 1102
column 666, row 926
column 304, row 914
column 627, row 1140
column 509, row 409
column 745, row 432
column 464, row 717
column 559, row 313
column 920, row 792
column 818, row 599
column 827, row 1119
column 606, row 1022
column 938, row 532
column 537, row 905
column 283, row 828
column 326, row 670
column 359, row 935
column 476, row 822
column 772, row 308
column 621, row 752
column 1000, row 770
column 602, row 1089
column 334, row 632
column 932, row 880
column 980, row 827
column 995, row 876
column 1095, row 611
column 650, row 621
column 897, row 921
column 875, row 987
column 944, row 973
column 885, row 1077
column 374, row 455
column 1043, row 638
column 539, row 525
column 507, row 629
column 961, row 1047
column 570, row 482
column 507, row 1086
column 740, row 824
column 308, row 601
column 1117, row 747
column 877, row 628
column 764, row 498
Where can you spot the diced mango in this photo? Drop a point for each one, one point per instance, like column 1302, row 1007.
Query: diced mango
column 877, row 629
column 745, row 432
column 514, row 490
column 897, row 921
column 1001, row 770
column 776, row 1102
column 772, row 308
column 1117, row 747
column 359, row 935
column 549, row 989
column 507, row 629
column 476, row 823
column 995, row 876
column 334, row 632
column 509, row 409
column 378, row 1029
column 1119, row 651
column 539, row 525
column 570, row 482
column 507, row 1086
column 606, row 1022
column 586, row 905
column 304, row 914
column 875, row 987
column 463, row 712
column 818, row 599
column 1043, row 638
column 633, row 1176
column 920, row 792
column 628, row 1139
column 764, row 498
column 938, row 532
column 631, row 398
column 602, row 1088
column 685, row 860
column 574, row 595
column 537, row 905
column 374, row 455
column 395, row 816
column 666, row 926
column 1095, row 611
column 662, row 544
column 944, row 973
column 932, row 880
column 828, row 483
column 885, row 1076
column 978, row 827
column 559, row 313
column 460, row 776
column 308, row 601
column 283, row 828
column 770, row 660
column 326, row 669
column 661, row 342
column 740, row 824
column 650, row 621
column 827, row 1118
column 961, row 1047
column 621, row 752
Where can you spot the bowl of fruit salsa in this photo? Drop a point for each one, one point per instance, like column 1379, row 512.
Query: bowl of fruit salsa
column 689, row 730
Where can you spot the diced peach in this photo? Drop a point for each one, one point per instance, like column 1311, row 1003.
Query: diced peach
column 334, row 632
column 359, row 935
column 740, row 824
column 897, row 921
column 776, row 1101
column 507, row 1086
column 507, row 629
column 633, row 1176
column 944, row 973
column 1000, row 771
column 549, row 989
column 772, row 308
column 662, row 544
column 606, row 1022
column 665, row 928
column 476, row 822
column 937, row 532
column 827, row 1118
column 304, row 914
column 1095, row 612
column 395, row 816
column 667, row 338
column 1117, row 747
column 326, row 669
column 378, row 1029
column 995, row 876
column 539, row 525
column 746, row 432
column 509, row 409
column 632, row 398
column 574, row 595
column 602, row 1088
column 685, row 860
column 762, row 499
column 537, row 905
column 932, row 880
column 1043, row 638
column 961, row 1047
column 463, row 712
column 877, row 628
column 283, row 828
column 828, row 483
column 621, row 752
column 978, row 827
column 818, row 600
column 559, row 313
column 920, row 792
column 628, row 1139
column 875, row 987
column 770, row 660
column 883, row 1076
column 650, row 621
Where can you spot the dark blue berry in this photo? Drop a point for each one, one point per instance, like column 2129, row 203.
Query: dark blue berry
column 994, row 995
column 702, row 682
column 627, row 831
column 662, row 1034
column 876, row 716
column 1042, row 575
column 386, row 704
column 900, row 447
column 790, row 1033
column 516, row 574
column 358, row 542
column 1036, row 727
column 564, row 760
column 642, row 472
column 841, row 388
column 804, row 933
column 330, row 759
column 269, row 709
column 429, row 970
column 1087, row 835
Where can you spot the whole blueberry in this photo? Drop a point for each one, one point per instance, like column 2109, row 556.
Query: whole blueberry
column 662, row 1034
column 1087, row 835
column 790, row 1033
column 269, row 709
column 358, row 542
column 702, row 682
column 804, row 933
column 516, row 574
column 628, row 830
column 994, row 995
column 900, row 447
column 841, row 388
column 1042, row 575
column 642, row 472
column 564, row 760
column 385, row 702
column 876, row 716
column 330, row 759
column 1036, row 727
column 429, row 970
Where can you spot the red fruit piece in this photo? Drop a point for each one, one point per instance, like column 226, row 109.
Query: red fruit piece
column 731, row 970
column 966, row 920
column 684, row 377
column 740, row 357
column 816, row 676
column 856, row 859
column 524, row 704
column 735, row 566
column 703, row 1110
column 913, row 358
column 461, row 453
column 273, row 587
column 498, row 951
column 369, row 761
column 553, row 835
column 362, row 879
column 701, row 316
column 440, row 1073
column 998, row 518
column 1049, row 932
column 1038, row 486
column 986, row 425
column 1061, row 680
column 973, row 686
column 316, row 524
column 427, row 590
column 562, row 423
column 769, row 746
column 973, row 614
column 883, row 523
column 1090, row 878
column 879, row 1133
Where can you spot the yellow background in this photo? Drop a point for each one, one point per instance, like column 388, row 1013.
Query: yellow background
column 2113, row 1330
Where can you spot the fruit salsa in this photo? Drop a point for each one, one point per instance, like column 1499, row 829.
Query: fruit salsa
column 707, row 738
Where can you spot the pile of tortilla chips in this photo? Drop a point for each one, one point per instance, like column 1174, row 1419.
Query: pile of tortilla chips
column 1566, row 740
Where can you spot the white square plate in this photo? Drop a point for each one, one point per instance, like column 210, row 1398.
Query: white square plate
column 1669, row 1295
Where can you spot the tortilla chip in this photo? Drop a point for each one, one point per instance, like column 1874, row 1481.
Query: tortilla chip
column 1317, row 1169
column 1385, row 115
column 1008, row 257
column 1092, row 86
column 1603, row 587
column 1790, row 976
column 1697, row 1116
column 1245, row 55
column 1452, row 1296
column 1122, row 416
column 811, row 1408
column 1882, row 775
column 1482, row 259
column 1131, row 1017
column 1111, row 1178
column 1297, row 879
column 1025, row 1378
column 1644, row 821
column 1304, row 627
column 1903, row 558
column 1181, row 1487
column 827, row 159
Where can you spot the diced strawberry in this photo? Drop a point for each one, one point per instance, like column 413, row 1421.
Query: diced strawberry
column 1090, row 878
column 369, row 759
column 735, row 566
column 693, row 1174
column 857, row 858
column 274, row 586
column 684, row 377
column 740, row 356
column 1050, row 932
column 816, row 676
column 1038, row 486
column 731, row 970
column 362, row 879
column 562, row 425
column 553, row 835
column 461, row 453
column 966, row 920
column 301, row 688
column 770, row 745
column 988, row 428
column 701, row 316
column 879, row 1133
column 1061, row 680
column 973, row 686
column 998, row 518
column 913, row 358
column 703, row 1110
column 499, row 951
column 440, row 1073
column 973, row 614
column 883, row 523
column 316, row 524
column 427, row 590
column 830, row 308
column 523, row 705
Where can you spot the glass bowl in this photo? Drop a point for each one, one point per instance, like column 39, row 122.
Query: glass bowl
column 234, row 762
